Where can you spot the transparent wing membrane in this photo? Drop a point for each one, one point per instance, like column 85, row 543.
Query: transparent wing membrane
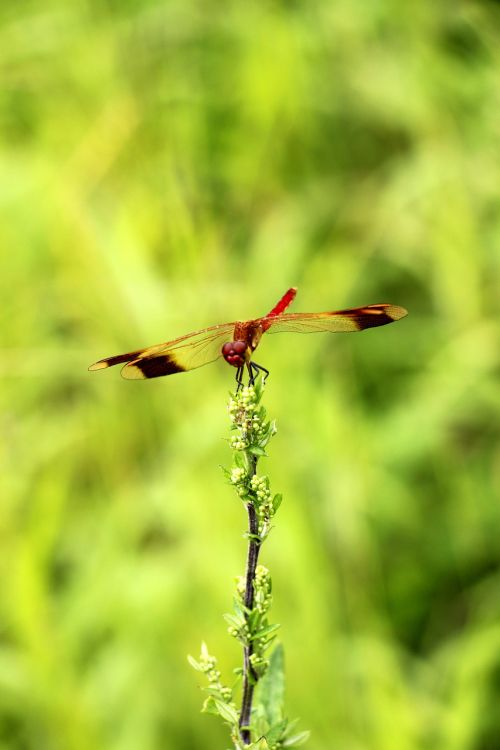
column 184, row 353
column 355, row 319
column 182, row 357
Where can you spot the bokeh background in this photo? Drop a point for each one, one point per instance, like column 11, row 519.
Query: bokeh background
column 170, row 165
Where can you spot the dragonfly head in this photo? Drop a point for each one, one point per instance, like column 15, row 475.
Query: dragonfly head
column 235, row 353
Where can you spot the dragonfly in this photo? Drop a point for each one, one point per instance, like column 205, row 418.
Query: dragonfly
column 237, row 341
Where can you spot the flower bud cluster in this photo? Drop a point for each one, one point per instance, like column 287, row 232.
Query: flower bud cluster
column 264, row 506
column 208, row 665
column 262, row 589
column 239, row 442
column 238, row 475
column 259, row 664
column 242, row 632
column 239, row 478
column 247, row 397
column 248, row 418
column 251, row 435
column 266, row 512
column 240, row 587
column 242, row 405
column 258, row 426
column 260, row 485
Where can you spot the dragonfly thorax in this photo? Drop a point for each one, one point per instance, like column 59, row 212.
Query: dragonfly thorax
column 235, row 353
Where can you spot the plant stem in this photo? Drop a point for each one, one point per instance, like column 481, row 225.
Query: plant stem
column 249, row 676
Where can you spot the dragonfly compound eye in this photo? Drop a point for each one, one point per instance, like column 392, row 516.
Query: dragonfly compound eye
column 234, row 353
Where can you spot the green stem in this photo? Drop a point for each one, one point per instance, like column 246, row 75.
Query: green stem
column 249, row 676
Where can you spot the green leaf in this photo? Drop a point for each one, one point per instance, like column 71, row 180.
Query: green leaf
column 195, row 664
column 292, row 723
column 276, row 732
column 255, row 537
column 297, row 739
column 227, row 712
column 270, row 641
column 240, row 608
column 246, row 461
column 253, row 620
column 213, row 691
column 265, row 631
column 269, row 431
column 257, row 451
column 236, row 622
column 277, row 499
column 239, row 460
column 261, row 744
column 272, row 687
column 209, row 707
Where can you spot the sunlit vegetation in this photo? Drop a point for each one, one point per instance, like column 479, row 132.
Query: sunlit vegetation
column 170, row 165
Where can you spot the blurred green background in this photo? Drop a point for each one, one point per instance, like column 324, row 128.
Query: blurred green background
column 170, row 165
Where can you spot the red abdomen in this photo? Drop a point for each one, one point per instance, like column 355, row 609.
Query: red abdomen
column 286, row 300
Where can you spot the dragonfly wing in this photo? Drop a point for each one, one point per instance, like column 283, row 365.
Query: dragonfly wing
column 180, row 355
column 354, row 319
column 118, row 359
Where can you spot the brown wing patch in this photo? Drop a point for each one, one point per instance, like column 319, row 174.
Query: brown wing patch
column 372, row 316
column 152, row 367
column 118, row 359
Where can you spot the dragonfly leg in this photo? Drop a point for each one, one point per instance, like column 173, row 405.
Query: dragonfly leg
column 251, row 376
column 262, row 369
column 239, row 378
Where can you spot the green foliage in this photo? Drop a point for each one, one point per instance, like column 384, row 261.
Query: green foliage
column 220, row 698
column 253, row 433
column 270, row 723
column 271, row 696
column 249, row 624
column 170, row 165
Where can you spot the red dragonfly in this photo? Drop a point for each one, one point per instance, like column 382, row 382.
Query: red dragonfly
column 237, row 341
